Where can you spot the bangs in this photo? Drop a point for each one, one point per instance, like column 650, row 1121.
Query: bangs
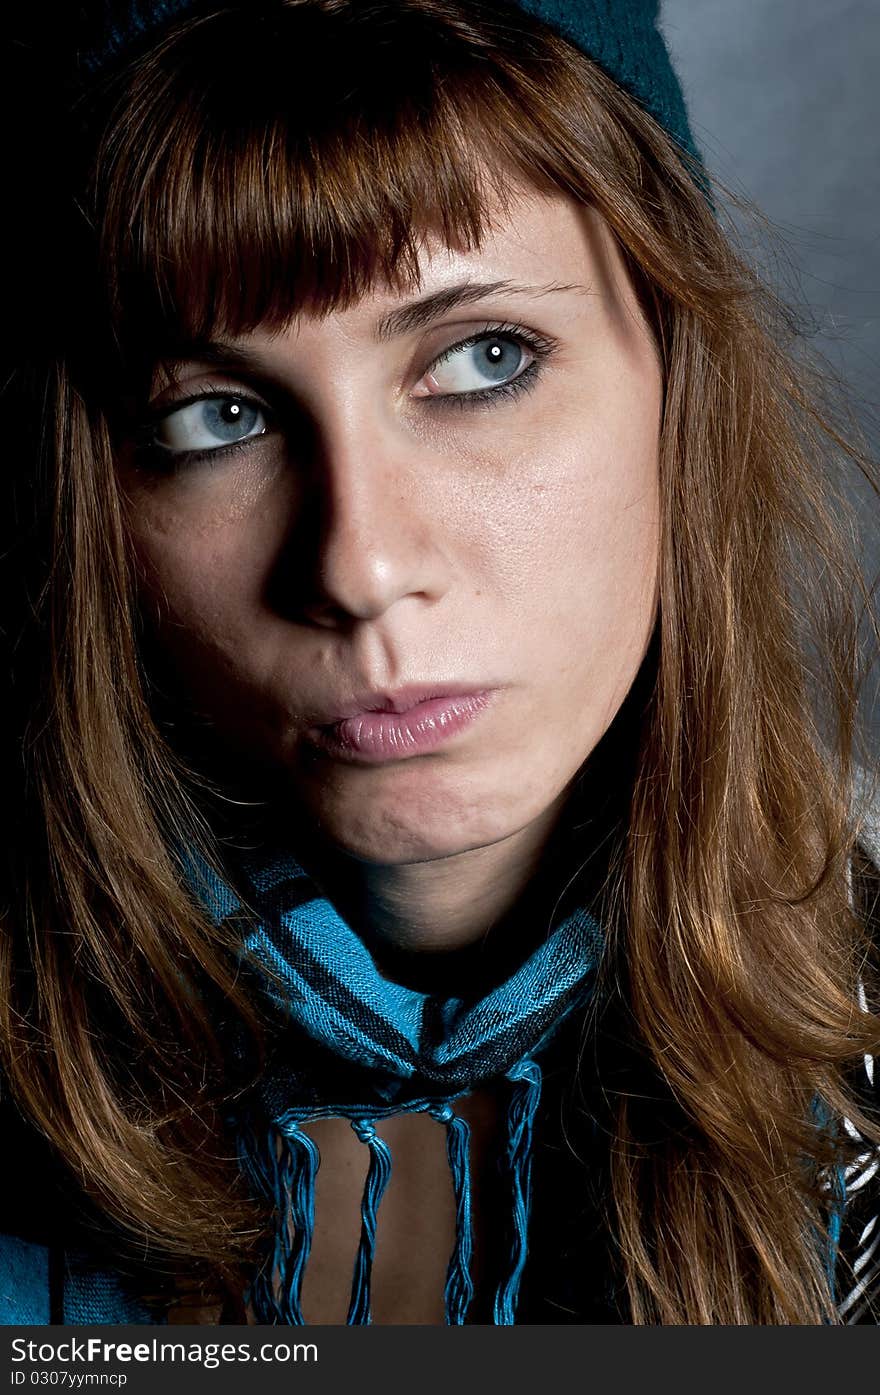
column 258, row 165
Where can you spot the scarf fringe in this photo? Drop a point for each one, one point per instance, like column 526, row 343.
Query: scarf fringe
column 525, row 1097
column 294, row 1232
column 285, row 1172
column 459, row 1285
column 282, row 1166
column 377, row 1180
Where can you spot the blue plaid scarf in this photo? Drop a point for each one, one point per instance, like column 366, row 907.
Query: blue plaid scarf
column 359, row 1046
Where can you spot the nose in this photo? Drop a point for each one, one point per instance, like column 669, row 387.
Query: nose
column 376, row 531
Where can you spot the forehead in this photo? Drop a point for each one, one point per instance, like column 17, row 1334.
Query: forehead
column 534, row 247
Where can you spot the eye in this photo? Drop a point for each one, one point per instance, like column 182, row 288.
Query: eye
column 486, row 361
column 208, row 423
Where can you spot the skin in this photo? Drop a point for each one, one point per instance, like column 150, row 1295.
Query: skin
column 377, row 534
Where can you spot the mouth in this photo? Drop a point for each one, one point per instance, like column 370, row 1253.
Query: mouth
column 380, row 727
column 401, row 700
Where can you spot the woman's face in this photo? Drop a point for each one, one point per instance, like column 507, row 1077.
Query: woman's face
column 452, row 488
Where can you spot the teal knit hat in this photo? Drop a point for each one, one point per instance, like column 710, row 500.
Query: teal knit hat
column 620, row 35
column 623, row 38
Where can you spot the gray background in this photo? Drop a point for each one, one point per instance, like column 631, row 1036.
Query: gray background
column 784, row 100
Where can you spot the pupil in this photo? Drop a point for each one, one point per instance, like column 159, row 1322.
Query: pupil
column 501, row 357
column 230, row 420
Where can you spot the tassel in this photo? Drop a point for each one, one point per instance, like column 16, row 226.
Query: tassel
column 835, row 1187
column 271, row 1175
column 305, row 1159
column 377, row 1180
column 835, row 1226
column 526, row 1078
column 459, row 1286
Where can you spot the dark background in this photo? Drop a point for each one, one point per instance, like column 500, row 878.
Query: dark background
column 784, row 100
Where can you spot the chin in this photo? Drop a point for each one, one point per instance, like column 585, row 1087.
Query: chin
column 395, row 844
column 392, row 833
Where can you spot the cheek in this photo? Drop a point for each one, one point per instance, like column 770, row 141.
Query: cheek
column 203, row 544
column 192, row 586
column 199, row 591
column 585, row 588
column 576, row 533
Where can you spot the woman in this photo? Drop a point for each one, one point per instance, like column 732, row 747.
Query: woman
column 435, row 658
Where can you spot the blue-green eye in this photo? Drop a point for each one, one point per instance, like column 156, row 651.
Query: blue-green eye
column 483, row 363
column 498, row 363
column 207, row 424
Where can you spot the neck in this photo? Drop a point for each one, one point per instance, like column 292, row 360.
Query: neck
column 450, row 923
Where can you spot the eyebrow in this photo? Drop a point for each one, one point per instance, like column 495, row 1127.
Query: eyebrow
column 418, row 313
column 403, row 319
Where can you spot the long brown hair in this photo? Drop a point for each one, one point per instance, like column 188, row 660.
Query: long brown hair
column 321, row 138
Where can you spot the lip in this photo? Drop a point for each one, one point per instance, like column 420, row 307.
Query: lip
column 402, row 699
column 395, row 726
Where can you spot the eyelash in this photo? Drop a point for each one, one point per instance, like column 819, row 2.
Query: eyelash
column 540, row 346
column 147, row 450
